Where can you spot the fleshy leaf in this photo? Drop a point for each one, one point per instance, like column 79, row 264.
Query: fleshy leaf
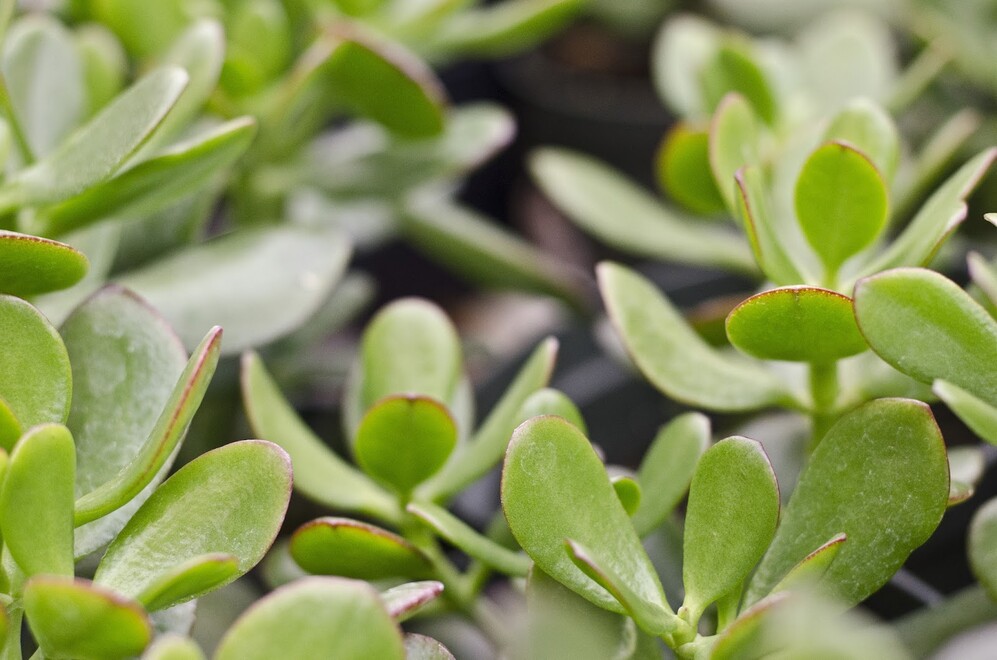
column 733, row 69
column 36, row 501
column 628, row 491
column 983, row 546
column 673, row 357
column 403, row 440
column 35, row 376
column 754, row 209
column 78, row 619
column 684, row 172
column 420, row 647
column 956, row 339
column 190, row 579
column 966, row 467
column 730, row 520
column 554, row 487
column 10, row 428
column 548, row 401
column 230, row 500
column 667, row 468
column 505, row 28
column 841, row 203
column 811, row 568
column 315, row 613
column 33, row 265
column 868, row 127
column 796, row 323
column 887, row 455
column 464, row 537
column 173, row 647
column 733, row 143
column 350, row 548
column 318, row 472
column 744, row 637
column 406, row 599
column 984, row 275
column 978, row 415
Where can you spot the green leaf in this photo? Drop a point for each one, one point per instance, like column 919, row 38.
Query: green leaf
column 984, row 275
column 730, row 520
column 318, row 472
column 681, row 50
column 153, row 184
column 190, row 579
column 97, row 150
column 667, row 468
column 622, row 215
column 173, row 647
column 673, row 357
column 684, row 172
column 554, row 487
column 982, row 548
column 406, row 599
column 474, row 459
column 978, row 415
column 796, row 323
column 754, row 210
column 734, row 69
column 811, row 568
column 865, row 125
column 464, row 537
column 505, row 28
column 143, row 466
column 315, row 613
column 349, row 548
column 230, row 500
column 144, row 29
column 734, row 138
column 36, row 510
column 105, row 64
column 885, row 456
column 420, row 647
column 282, row 276
column 966, row 467
column 548, row 401
column 841, row 203
column 10, row 428
column 745, row 638
column 35, row 376
column 78, row 619
column 628, row 491
column 33, row 265
column 956, row 339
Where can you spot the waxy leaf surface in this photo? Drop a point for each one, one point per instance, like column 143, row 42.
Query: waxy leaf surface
column 349, row 548
column 811, row 568
column 683, row 169
column 548, row 401
column 33, row 265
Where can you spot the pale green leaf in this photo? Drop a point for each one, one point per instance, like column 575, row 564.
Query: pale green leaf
column 33, row 265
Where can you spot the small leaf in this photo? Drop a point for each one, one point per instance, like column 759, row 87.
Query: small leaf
column 870, row 129
column 78, row 619
column 35, row 376
column 673, row 357
column 956, row 339
column 796, row 323
column 105, row 64
column 983, row 546
column 505, row 28
column 667, row 468
column 984, row 275
column 464, row 537
column 403, row 440
column 744, row 638
column 315, row 613
column 554, row 487
column 173, row 647
column 628, row 490
column 33, row 265
column 730, row 520
column 10, row 428
column 194, row 577
column 887, row 455
column 841, row 203
column 733, row 69
column 733, row 143
column 979, row 416
column 684, row 172
column 420, row 647
column 548, row 401
column 36, row 501
column 230, row 500
column 349, row 548
column 811, row 568
column 772, row 252
column 966, row 467
column 318, row 472
column 406, row 599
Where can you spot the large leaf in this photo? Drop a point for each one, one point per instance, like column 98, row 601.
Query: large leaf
column 349, row 548
column 924, row 325
column 259, row 284
column 311, row 614
column 673, row 357
column 554, row 487
column 886, row 458
column 229, row 500
column 33, row 265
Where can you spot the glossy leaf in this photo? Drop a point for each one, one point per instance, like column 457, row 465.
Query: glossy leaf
column 406, row 599
column 796, row 323
column 35, row 376
column 403, row 440
column 979, row 416
column 420, row 647
column 619, row 213
column 684, row 172
column 666, row 471
column 956, row 339
column 33, row 265
column 259, row 284
column 841, row 202
column 230, row 500
column 730, row 520
column 315, row 613
column 36, row 501
column 78, row 619
column 733, row 143
column 870, row 129
column 505, row 28
column 982, row 546
column 173, row 647
column 734, row 69
column 554, row 487
column 811, row 568
column 755, row 212
column 673, row 357
column 349, row 548
column 885, row 456
column 460, row 534
column 318, row 472
column 194, row 577
column 97, row 150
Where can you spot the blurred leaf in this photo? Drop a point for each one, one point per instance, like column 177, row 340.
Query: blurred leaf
column 36, row 510
column 173, row 647
column 504, row 28
column 811, row 568
column 406, row 599
column 315, row 613
column 78, row 619
column 105, row 64
column 730, row 520
column 33, row 265
column 982, row 547
column 865, row 125
column 10, row 429
column 682, row 48
column 732, row 68
column 628, row 491
column 548, row 401
column 734, row 137
column 145, row 29
column 100, row 244
column 673, row 357
column 192, row 578
column 979, row 416
column 350, row 548
column 230, row 500
column 259, row 284
column 956, row 339
column 984, row 275
column 966, row 467
column 683, row 170
column 885, row 456
column 754, row 207
column 624, row 216
column 259, row 45
column 420, row 647
column 743, row 639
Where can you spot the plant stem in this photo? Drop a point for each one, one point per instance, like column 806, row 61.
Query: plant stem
column 824, row 391
column 16, row 129
column 925, row 630
column 12, row 645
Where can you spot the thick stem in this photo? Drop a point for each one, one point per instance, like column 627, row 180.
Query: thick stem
column 824, row 391
column 927, row 629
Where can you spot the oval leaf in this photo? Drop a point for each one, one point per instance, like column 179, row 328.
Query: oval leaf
column 194, row 577
column 349, row 548
column 33, row 265
column 173, row 647
column 867, row 126
column 406, row 599
column 420, row 647
column 683, row 169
